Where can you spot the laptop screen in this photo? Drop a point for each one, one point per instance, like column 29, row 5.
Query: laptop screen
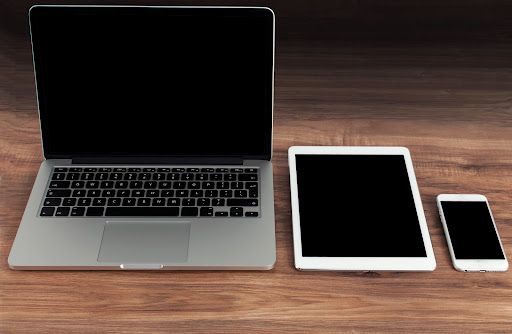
column 154, row 81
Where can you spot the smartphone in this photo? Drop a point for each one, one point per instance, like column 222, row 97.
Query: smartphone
column 471, row 233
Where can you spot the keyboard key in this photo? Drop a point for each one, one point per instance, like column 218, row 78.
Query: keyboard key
column 189, row 212
column 164, row 185
column 121, row 185
column 108, row 193
column 208, row 185
column 159, row 176
column 105, row 169
column 130, row 176
column 153, row 193
column 119, row 169
column 52, row 201
column 247, row 177
column 178, row 170
column 193, row 170
column 237, row 185
column 73, row 176
column 207, row 170
column 202, row 177
column 101, row 176
column 92, row 184
column 211, row 193
column 84, row 201
column 90, row 170
column 107, row 184
column 138, row 193
column 236, row 212
column 69, row 201
column 145, row 176
column 218, row 202
column 236, row 170
column 221, row 214
column 47, row 211
column 206, row 212
column 134, row 170
column 187, row 176
column 251, row 185
column 222, row 170
column 173, row 202
column 136, row 184
column 203, row 202
column 181, row 193
column 167, row 193
column 226, row 193
column 150, row 170
column 188, row 202
column 163, row 170
column 114, row 201
column 77, row 211
column 193, row 185
column 99, row 201
column 150, row 185
column 179, row 185
column 79, row 193
column 222, row 185
column 77, row 184
column 87, row 176
column 158, row 201
column 123, row 193
column 253, row 193
column 251, row 214
column 58, row 193
column 60, row 169
column 240, row 193
column 75, row 170
column 63, row 211
column 95, row 211
column 93, row 193
column 251, row 170
column 173, row 176
column 196, row 193
column 129, row 201
column 215, row 177
column 59, row 184
column 230, row 177
column 58, row 176
column 242, row 202
column 142, row 211
column 144, row 201
column 116, row 176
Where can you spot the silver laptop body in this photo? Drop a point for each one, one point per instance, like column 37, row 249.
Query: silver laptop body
column 157, row 139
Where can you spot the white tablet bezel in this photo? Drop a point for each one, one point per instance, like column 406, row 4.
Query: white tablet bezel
column 427, row 263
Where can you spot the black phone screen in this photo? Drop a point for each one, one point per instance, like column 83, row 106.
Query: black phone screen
column 472, row 231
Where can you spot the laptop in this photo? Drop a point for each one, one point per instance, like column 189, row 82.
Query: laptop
column 156, row 128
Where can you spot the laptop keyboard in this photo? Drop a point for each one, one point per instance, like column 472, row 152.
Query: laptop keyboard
column 141, row 191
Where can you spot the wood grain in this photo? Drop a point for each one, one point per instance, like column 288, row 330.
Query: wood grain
column 450, row 103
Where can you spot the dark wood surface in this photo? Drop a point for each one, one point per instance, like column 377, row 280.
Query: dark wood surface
column 449, row 101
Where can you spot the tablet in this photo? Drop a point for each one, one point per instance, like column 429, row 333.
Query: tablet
column 357, row 208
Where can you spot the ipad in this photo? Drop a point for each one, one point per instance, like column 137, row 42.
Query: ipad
column 357, row 209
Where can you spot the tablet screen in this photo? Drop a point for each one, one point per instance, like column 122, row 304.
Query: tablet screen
column 357, row 206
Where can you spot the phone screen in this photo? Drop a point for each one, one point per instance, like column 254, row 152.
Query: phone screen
column 472, row 231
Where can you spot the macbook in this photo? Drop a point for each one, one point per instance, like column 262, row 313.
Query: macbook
column 156, row 126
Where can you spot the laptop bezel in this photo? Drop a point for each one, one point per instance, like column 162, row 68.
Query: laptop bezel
column 266, row 154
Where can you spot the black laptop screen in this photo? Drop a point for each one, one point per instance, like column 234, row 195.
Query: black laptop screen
column 154, row 81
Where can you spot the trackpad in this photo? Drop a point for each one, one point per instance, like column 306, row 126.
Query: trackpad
column 144, row 242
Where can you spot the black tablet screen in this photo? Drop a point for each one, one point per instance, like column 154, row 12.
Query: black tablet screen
column 357, row 206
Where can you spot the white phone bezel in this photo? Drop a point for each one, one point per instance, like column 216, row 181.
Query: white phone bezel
column 427, row 263
column 470, row 264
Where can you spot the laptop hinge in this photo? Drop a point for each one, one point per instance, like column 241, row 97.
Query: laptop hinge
column 159, row 160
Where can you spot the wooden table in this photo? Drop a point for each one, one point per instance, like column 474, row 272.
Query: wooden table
column 450, row 104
